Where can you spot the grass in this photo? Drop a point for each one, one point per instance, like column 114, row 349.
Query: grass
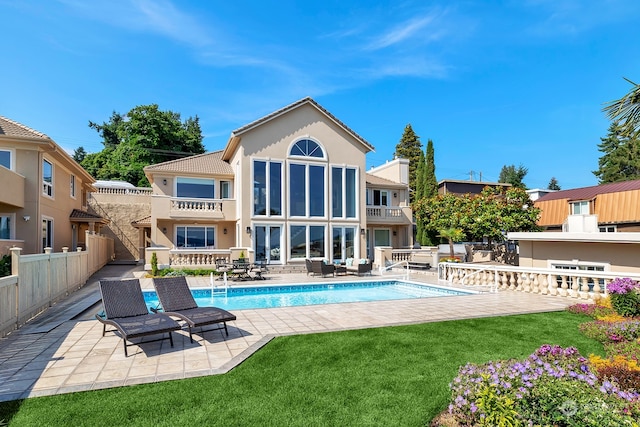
column 388, row 376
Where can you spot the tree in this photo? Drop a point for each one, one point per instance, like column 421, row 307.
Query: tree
column 144, row 136
column 512, row 175
column 410, row 148
column 621, row 158
column 79, row 154
column 429, row 181
column 553, row 184
column 626, row 111
column 490, row 214
column 452, row 235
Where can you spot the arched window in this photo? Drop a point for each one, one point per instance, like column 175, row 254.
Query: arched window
column 307, row 148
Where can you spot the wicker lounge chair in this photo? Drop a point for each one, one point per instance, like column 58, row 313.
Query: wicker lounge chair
column 319, row 267
column 176, row 300
column 125, row 310
column 360, row 268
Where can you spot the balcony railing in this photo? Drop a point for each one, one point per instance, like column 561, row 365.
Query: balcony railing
column 389, row 214
column 13, row 185
column 193, row 208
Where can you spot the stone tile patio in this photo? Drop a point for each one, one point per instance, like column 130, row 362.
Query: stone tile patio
column 73, row 356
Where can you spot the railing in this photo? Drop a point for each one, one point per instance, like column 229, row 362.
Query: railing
column 135, row 191
column 414, row 254
column 198, row 258
column 196, row 205
column 583, row 284
column 382, row 269
column 384, row 212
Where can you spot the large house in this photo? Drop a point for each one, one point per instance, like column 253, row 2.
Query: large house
column 43, row 202
column 591, row 228
column 289, row 186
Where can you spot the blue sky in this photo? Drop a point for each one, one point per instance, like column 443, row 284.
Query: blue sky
column 492, row 83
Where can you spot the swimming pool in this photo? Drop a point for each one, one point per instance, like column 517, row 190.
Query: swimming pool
column 238, row 298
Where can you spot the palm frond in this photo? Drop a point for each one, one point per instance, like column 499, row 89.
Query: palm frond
column 626, row 110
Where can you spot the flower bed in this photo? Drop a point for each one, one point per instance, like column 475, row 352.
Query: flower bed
column 558, row 386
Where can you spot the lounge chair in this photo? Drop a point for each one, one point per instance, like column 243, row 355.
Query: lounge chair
column 360, row 268
column 177, row 301
column 319, row 267
column 125, row 310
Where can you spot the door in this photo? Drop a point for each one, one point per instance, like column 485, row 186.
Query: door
column 268, row 243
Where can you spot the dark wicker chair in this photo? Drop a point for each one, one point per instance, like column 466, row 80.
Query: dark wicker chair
column 319, row 267
column 126, row 311
column 360, row 269
column 309, row 265
column 176, row 300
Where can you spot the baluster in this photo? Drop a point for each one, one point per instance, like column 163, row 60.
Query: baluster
column 512, row 281
column 543, row 284
column 562, row 290
column 535, row 284
column 526, row 282
column 585, row 288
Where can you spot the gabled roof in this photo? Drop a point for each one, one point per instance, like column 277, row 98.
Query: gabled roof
column 78, row 215
column 14, row 129
column 207, row 163
column 142, row 222
column 589, row 193
column 234, row 140
column 382, row 182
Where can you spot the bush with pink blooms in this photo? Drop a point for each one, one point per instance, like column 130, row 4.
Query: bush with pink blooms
column 625, row 296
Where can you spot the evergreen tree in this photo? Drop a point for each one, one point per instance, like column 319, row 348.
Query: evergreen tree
column 410, row 148
column 420, row 173
column 553, row 184
column 79, row 154
column 429, row 181
column 514, row 176
column 621, row 158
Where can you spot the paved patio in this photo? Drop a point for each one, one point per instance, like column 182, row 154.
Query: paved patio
column 63, row 350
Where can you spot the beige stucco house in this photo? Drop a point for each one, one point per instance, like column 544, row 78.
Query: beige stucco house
column 288, row 186
column 43, row 202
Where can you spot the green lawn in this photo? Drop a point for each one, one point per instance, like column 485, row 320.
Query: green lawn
column 376, row 377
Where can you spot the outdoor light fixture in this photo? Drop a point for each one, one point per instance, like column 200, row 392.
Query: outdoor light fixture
column 224, row 231
column 362, row 231
column 395, row 232
column 164, row 230
column 248, row 230
column 395, row 195
column 164, row 181
column 26, row 217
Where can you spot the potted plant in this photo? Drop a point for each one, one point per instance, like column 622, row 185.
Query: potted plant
column 241, row 258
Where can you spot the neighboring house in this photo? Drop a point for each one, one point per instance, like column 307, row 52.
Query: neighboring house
column 591, row 228
column 289, row 186
column 536, row 193
column 462, row 187
column 43, row 202
column 617, row 206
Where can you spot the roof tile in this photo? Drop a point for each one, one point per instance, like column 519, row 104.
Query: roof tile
column 588, row 193
column 207, row 163
column 12, row 128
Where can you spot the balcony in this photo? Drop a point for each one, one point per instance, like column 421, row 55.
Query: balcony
column 193, row 209
column 389, row 215
column 12, row 193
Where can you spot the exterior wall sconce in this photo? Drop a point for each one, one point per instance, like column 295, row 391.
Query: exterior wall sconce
column 164, row 230
column 362, row 231
column 395, row 233
column 26, row 218
column 224, row 231
column 164, row 181
column 395, row 195
column 248, row 230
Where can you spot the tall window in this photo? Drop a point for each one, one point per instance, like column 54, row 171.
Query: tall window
column 47, row 233
column 198, row 188
column 267, row 188
column 225, row 189
column 343, row 192
column 5, row 226
column 5, row 158
column 580, row 208
column 343, row 243
column 307, row 241
column 195, row 237
column 306, row 190
column 378, row 197
column 72, row 184
column 47, row 178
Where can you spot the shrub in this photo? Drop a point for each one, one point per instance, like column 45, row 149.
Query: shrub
column 592, row 310
column 624, row 296
column 5, row 266
column 607, row 332
column 630, row 349
column 154, row 264
column 620, row 369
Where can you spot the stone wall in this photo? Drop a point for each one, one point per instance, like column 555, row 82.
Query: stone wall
column 121, row 210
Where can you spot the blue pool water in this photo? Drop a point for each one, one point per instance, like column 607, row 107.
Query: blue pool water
column 238, row 298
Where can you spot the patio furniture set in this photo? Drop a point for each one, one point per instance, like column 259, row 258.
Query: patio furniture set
column 242, row 269
column 322, row 268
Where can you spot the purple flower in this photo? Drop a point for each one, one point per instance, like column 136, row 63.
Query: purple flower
column 622, row 286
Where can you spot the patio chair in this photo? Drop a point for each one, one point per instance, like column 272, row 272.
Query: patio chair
column 319, row 267
column 126, row 311
column 309, row 265
column 258, row 269
column 360, row 268
column 177, row 301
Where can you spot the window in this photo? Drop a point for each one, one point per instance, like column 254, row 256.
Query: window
column 307, row 148
column 47, row 233
column 343, row 243
column 5, row 159
column 73, row 186
column 580, row 208
column 378, row 198
column 381, row 237
column 607, row 229
column 195, row 237
column 584, row 266
column 343, row 192
column 307, row 241
column 267, row 188
column 225, row 189
column 306, row 190
column 6, row 224
column 47, row 178
column 198, row 188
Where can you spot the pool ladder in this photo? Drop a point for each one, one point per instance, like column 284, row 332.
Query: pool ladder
column 389, row 267
column 219, row 290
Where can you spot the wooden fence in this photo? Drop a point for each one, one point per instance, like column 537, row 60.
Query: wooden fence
column 40, row 280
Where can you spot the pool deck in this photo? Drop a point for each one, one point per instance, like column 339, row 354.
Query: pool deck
column 63, row 351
